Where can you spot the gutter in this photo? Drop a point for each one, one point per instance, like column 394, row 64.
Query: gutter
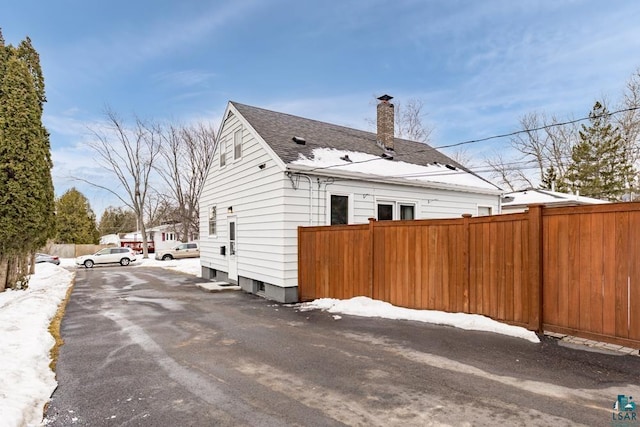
column 358, row 176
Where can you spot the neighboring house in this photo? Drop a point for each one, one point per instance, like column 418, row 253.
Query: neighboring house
column 519, row 201
column 159, row 238
column 273, row 172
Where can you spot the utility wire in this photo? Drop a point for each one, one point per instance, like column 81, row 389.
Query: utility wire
column 504, row 135
column 473, row 141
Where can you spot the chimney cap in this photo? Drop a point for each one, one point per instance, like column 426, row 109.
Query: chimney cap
column 385, row 98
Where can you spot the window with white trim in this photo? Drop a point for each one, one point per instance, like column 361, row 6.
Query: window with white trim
column 237, row 144
column 212, row 220
column 223, row 153
column 407, row 211
column 485, row 210
column 339, row 209
column 387, row 210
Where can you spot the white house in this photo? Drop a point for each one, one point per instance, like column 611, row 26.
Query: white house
column 519, row 201
column 160, row 237
column 273, row 172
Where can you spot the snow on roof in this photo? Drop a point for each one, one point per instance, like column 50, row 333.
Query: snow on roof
column 331, row 159
column 536, row 196
column 110, row 239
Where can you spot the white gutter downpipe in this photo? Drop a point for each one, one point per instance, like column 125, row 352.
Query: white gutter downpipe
column 296, row 186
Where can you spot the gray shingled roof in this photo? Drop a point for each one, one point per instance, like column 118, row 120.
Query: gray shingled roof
column 278, row 129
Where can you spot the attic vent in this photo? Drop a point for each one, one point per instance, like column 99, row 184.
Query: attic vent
column 299, row 140
column 450, row 167
column 346, row 158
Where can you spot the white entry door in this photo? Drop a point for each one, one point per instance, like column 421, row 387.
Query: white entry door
column 233, row 257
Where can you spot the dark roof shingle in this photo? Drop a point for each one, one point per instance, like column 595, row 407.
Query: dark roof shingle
column 278, row 129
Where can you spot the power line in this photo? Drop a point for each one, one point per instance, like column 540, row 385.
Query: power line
column 504, row 135
column 473, row 141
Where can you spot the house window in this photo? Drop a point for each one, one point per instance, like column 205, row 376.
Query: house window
column 407, row 211
column 485, row 210
column 223, row 153
column 237, row 144
column 339, row 209
column 212, row 221
column 385, row 211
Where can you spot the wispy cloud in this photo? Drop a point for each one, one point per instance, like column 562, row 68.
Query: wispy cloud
column 184, row 78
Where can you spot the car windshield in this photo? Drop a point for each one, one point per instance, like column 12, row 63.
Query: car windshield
column 103, row 251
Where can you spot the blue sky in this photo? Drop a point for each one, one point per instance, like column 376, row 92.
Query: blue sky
column 477, row 65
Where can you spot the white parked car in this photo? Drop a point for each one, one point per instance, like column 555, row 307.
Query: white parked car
column 122, row 256
column 183, row 250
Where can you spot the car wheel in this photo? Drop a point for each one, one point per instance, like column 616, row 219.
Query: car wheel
column 167, row 257
column 88, row 264
column 124, row 261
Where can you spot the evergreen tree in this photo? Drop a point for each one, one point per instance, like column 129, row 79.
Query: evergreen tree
column 117, row 220
column 26, row 189
column 601, row 166
column 75, row 221
column 551, row 181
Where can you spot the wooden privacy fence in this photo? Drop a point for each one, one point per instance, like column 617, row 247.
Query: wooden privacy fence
column 571, row 270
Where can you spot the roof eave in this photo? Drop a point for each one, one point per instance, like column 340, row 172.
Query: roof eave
column 389, row 180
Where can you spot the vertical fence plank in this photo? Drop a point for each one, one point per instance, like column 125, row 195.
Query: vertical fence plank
column 535, row 263
column 572, row 270
column 622, row 273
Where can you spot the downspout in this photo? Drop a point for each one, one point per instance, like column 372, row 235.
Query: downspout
column 326, row 183
column 310, row 199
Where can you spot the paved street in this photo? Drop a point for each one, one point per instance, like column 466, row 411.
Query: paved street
column 145, row 346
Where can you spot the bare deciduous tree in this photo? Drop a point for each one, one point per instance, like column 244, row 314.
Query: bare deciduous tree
column 129, row 154
column 408, row 121
column 409, row 125
column 629, row 121
column 186, row 155
column 543, row 144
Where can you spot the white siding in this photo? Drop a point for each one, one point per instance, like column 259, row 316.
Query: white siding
column 430, row 204
column 255, row 196
column 270, row 206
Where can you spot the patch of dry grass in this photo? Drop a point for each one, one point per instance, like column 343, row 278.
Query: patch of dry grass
column 54, row 328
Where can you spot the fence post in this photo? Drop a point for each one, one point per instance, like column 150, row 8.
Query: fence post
column 535, row 268
column 466, row 261
column 372, row 271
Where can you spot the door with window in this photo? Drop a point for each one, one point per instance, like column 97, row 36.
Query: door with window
column 233, row 257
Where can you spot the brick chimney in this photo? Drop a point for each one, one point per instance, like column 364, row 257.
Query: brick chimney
column 385, row 122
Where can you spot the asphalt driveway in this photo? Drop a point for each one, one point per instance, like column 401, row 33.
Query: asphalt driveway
column 145, row 346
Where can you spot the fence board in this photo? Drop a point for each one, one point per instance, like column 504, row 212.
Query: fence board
column 571, row 270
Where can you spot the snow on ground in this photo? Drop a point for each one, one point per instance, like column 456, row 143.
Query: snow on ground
column 366, row 307
column 27, row 382
column 187, row 265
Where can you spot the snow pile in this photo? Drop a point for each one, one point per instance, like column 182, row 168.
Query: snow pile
column 27, row 381
column 375, row 165
column 186, row 265
column 367, row 307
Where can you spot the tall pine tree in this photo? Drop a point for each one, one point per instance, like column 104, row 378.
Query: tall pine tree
column 75, row 220
column 601, row 166
column 26, row 189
